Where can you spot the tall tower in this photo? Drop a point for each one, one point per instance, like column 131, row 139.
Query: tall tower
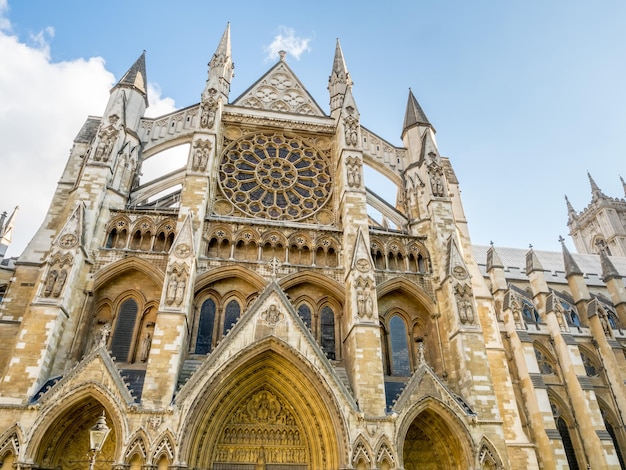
column 601, row 226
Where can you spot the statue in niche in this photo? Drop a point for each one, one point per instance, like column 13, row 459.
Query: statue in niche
column 560, row 318
column 437, row 185
column 517, row 318
column 353, row 169
column 351, row 125
column 107, row 138
column 464, row 304
column 100, row 339
column 180, row 292
column 60, row 282
column 146, row 343
column 200, row 155
column 360, row 301
column 604, row 322
column 171, row 290
column 50, row 280
column 208, row 109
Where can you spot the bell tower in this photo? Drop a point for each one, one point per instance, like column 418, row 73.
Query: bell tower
column 601, row 226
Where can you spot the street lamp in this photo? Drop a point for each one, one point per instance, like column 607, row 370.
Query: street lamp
column 97, row 435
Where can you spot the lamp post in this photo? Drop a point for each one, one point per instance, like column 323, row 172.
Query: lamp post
column 97, row 435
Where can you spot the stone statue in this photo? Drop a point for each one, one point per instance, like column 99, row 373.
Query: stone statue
column 146, row 343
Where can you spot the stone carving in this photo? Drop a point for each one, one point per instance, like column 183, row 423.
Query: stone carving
column 146, row 343
column 101, row 337
column 353, row 169
column 272, row 316
column 55, row 281
column 208, row 109
column 560, row 315
column 351, row 126
column 262, row 430
column 435, row 171
column 365, row 303
column 464, row 303
column 175, row 291
column 106, row 140
column 202, row 149
column 517, row 315
column 604, row 321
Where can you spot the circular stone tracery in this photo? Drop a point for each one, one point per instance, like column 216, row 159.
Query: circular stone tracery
column 274, row 176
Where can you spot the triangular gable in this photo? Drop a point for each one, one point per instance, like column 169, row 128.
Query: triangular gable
column 96, row 368
column 71, row 235
column 270, row 317
column 456, row 265
column 425, row 384
column 279, row 90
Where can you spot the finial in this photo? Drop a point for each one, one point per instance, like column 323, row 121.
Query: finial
column 561, row 239
column 530, row 245
column 491, row 243
column 282, row 55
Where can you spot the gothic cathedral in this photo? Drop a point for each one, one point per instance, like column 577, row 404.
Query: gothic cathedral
column 244, row 312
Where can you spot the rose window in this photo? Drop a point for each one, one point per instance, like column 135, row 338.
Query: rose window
column 275, row 177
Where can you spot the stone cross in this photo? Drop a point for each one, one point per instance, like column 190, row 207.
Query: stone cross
column 274, row 264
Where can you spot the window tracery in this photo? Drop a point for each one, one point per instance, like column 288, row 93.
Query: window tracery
column 275, row 176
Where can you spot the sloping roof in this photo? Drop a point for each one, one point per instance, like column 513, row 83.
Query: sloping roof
column 514, row 261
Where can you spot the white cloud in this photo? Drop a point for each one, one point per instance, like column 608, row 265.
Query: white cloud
column 286, row 40
column 44, row 105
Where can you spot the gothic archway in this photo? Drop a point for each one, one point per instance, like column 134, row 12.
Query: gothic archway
column 65, row 441
column 266, row 411
column 434, row 440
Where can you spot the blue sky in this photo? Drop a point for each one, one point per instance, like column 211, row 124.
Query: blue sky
column 526, row 97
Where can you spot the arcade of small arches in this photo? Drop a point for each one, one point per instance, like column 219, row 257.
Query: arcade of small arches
column 144, row 234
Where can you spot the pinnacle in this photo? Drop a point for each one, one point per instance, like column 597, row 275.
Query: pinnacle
column 414, row 114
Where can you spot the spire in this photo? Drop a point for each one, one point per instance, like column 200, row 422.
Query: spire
column 571, row 213
column 596, row 192
column 608, row 269
column 136, row 77
column 532, row 262
column 339, row 80
column 414, row 114
column 220, row 67
column 6, row 231
column 493, row 259
column 571, row 268
column 623, row 184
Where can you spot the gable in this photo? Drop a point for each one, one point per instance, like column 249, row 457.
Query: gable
column 279, row 90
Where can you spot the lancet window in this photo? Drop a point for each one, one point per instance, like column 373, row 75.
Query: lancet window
column 323, row 326
column 216, row 316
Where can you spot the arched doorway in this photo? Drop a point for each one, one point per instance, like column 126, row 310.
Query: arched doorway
column 65, row 442
column 266, row 412
column 434, row 442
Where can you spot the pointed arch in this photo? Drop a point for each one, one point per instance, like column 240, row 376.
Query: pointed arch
column 164, row 448
column 400, row 283
column 10, row 445
column 51, row 444
column 325, row 282
column 487, row 456
column 433, row 430
column 385, row 458
column 267, row 372
column 225, row 272
column 361, row 453
column 117, row 268
column 137, row 451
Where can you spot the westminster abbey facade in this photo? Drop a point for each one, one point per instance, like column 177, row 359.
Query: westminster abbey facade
column 247, row 312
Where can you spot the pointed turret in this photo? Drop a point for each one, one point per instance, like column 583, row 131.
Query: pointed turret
column 493, row 259
column 414, row 115
column 623, row 185
column 596, row 192
column 339, row 80
column 532, row 262
column 608, row 269
column 136, row 78
column 220, row 69
column 571, row 268
column 571, row 213
column 6, row 231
